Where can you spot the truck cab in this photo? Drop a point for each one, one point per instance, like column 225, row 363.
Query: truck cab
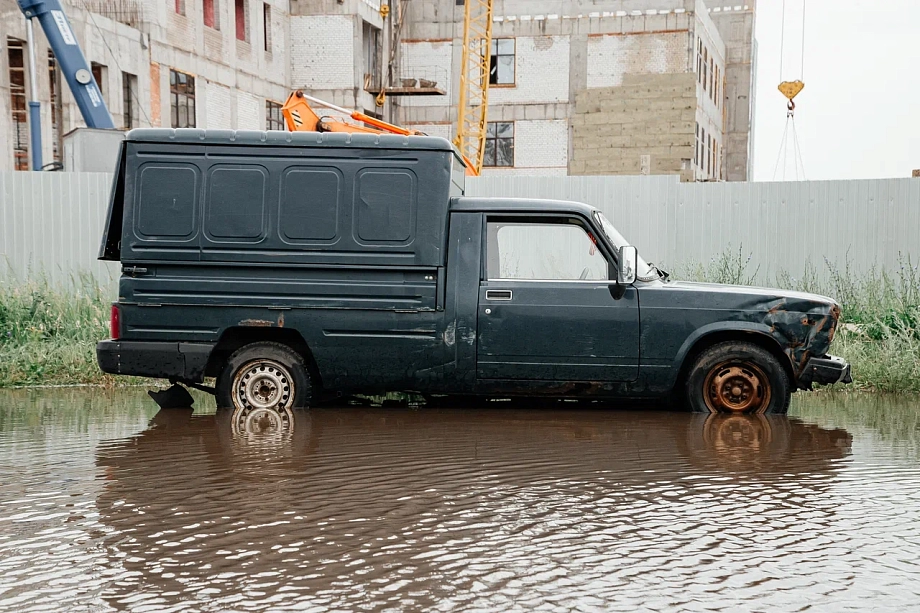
column 291, row 266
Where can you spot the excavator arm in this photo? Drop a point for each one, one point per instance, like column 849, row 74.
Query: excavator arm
column 299, row 116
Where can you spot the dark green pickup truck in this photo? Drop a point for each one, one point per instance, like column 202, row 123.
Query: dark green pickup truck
column 294, row 266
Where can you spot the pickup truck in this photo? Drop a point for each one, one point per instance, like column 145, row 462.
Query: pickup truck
column 293, row 267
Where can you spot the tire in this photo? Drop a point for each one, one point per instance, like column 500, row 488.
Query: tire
column 737, row 377
column 264, row 376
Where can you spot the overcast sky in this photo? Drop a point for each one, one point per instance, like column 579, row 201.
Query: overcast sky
column 858, row 116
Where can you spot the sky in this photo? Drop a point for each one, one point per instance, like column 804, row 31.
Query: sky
column 859, row 114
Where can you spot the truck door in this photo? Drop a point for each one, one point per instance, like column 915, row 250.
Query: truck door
column 547, row 306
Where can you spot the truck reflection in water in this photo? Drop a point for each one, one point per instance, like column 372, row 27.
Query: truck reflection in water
column 357, row 507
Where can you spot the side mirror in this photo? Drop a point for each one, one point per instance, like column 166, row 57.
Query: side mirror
column 628, row 258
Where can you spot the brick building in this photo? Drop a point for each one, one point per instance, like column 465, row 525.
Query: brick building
column 578, row 86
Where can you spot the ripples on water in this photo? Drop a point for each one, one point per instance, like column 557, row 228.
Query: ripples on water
column 106, row 503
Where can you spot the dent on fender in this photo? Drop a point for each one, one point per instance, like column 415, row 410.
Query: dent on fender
column 805, row 329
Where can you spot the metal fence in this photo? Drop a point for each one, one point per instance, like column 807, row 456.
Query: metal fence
column 51, row 223
column 782, row 227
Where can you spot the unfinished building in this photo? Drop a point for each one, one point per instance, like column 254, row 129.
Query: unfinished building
column 576, row 87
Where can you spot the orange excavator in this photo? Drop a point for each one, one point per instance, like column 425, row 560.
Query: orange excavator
column 300, row 117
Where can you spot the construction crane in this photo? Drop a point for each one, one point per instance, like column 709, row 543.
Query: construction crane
column 475, row 65
column 790, row 89
column 74, row 68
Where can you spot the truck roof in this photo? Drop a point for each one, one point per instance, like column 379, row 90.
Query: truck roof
column 535, row 205
column 282, row 138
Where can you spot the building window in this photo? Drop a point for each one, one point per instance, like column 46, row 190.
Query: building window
column 501, row 62
column 717, row 90
column 181, row 99
column 211, row 14
column 274, row 120
column 129, row 99
column 714, row 149
column 18, row 104
column 57, row 110
column 99, row 73
column 699, row 60
column 267, row 26
column 712, row 79
column 696, row 147
column 180, row 7
column 705, row 67
column 371, row 53
column 499, row 149
column 703, row 154
column 241, row 9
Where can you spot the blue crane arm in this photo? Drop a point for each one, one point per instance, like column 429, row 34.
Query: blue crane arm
column 76, row 70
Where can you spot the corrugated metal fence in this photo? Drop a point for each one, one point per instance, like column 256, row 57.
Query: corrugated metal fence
column 51, row 223
column 782, row 226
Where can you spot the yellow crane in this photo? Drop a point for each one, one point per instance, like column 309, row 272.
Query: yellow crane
column 475, row 65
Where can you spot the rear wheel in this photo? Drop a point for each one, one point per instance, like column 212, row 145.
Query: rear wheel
column 264, row 377
column 738, row 377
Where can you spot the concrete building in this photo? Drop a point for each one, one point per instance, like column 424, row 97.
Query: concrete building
column 577, row 86
column 163, row 63
column 602, row 87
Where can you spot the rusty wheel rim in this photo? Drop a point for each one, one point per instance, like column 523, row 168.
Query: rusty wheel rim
column 737, row 387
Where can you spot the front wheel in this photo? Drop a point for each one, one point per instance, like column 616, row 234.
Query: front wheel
column 264, row 377
column 738, row 377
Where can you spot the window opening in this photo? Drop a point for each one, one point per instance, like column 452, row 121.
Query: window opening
column 501, row 62
column 16, row 59
column 273, row 118
column 499, row 146
column 181, row 99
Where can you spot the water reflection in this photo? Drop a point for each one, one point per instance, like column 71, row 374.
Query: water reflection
column 460, row 509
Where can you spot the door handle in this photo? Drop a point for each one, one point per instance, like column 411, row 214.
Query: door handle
column 498, row 294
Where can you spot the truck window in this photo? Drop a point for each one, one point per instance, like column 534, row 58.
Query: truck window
column 543, row 251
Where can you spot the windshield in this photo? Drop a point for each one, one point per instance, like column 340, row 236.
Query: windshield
column 642, row 269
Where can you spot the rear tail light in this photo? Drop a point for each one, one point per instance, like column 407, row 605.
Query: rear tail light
column 115, row 323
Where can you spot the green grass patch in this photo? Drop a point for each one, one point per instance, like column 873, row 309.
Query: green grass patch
column 48, row 336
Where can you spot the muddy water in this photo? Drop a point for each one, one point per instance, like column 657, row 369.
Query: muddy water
column 108, row 504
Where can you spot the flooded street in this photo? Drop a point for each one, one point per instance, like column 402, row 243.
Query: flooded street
column 107, row 503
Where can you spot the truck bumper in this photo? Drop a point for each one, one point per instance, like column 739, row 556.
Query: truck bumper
column 824, row 371
column 181, row 361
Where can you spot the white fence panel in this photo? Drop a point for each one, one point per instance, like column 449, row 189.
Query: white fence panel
column 51, row 223
column 782, row 226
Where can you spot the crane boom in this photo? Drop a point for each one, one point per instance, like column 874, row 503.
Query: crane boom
column 69, row 56
column 474, row 81
column 299, row 116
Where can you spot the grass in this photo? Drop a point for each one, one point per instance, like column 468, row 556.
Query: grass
column 880, row 314
column 48, row 336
